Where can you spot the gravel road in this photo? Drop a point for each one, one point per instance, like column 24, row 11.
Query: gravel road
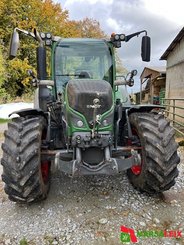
column 91, row 210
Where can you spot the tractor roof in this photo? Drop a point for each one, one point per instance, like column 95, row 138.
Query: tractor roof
column 81, row 40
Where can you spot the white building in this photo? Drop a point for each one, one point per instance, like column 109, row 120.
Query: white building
column 174, row 55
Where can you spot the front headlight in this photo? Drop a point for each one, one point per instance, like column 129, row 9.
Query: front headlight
column 80, row 123
column 105, row 123
column 107, row 120
column 77, row 121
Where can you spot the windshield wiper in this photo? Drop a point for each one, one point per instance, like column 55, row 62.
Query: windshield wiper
column 66, row 75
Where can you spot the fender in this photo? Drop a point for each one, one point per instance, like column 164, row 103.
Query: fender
column 144, row 108
column 36, row 112
column 29, row 112
column 139, row 108
column 126, row 110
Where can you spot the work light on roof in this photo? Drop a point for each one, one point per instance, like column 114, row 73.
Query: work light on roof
column 116, row 37
column 122, row 37
column 48, row 35
column 42, row 34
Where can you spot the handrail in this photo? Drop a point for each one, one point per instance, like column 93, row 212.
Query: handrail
column 175, row 112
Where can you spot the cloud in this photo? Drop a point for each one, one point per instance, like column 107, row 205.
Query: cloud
column 112, row 24
column 122, row 16
column 126, row 17
column 135, row 17
column 92, row 2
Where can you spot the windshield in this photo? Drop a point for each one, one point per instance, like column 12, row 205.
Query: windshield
column 82, row 59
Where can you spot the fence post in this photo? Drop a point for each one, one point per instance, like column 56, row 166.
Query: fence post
column 171, row 108
column 174, row 112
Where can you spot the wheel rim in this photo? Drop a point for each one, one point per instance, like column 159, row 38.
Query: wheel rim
column 45, row 164
column 45, row 167
column 136, row 169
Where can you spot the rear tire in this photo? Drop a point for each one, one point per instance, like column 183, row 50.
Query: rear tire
column 23, row 172
column 159, row 154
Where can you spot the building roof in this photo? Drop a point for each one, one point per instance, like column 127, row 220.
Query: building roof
column 159, row 69
column 173, row 45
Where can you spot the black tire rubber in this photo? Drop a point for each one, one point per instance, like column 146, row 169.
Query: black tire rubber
column 159, row 153
column 22, row 160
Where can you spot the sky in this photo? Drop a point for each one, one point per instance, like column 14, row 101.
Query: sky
column 163, row 19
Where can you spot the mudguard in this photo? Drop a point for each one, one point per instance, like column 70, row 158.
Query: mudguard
column 144, row 108
column 28, row 112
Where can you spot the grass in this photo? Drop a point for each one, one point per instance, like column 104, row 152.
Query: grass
column 23, row 242
column 4, row 120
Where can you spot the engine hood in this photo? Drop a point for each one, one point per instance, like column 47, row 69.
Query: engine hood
column 81, row 94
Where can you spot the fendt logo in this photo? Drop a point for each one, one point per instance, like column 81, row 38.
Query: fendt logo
column 96, row 104
column 129, row 235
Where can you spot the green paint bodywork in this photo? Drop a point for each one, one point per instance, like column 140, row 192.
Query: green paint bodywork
column 72, row 128
column 69, row 112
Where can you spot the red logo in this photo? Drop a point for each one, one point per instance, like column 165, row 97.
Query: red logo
column 130, row 232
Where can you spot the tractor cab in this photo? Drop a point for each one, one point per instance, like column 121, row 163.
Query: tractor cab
column 82, row 59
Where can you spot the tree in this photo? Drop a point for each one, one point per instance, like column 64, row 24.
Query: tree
column 120, row 69
column 90, row 28
column 26, row 14
column 2, row 68
column 45, row 16
column 3, row 94
column 20, row 82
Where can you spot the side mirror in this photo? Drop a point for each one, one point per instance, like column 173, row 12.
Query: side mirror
column 14, row 44
column 146, row 48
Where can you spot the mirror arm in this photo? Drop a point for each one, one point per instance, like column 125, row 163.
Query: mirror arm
column 120, row 82
column 127, row 38
column 27, row 33
column 34, row 35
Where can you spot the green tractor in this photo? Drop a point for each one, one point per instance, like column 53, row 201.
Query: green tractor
column 83, row 122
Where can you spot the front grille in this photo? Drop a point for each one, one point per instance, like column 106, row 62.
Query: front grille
column 81, row 94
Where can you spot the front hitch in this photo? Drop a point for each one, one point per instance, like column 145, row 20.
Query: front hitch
column 109, row 166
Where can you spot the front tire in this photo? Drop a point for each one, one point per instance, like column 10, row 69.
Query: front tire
column 159, row 158
column 25, row 175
